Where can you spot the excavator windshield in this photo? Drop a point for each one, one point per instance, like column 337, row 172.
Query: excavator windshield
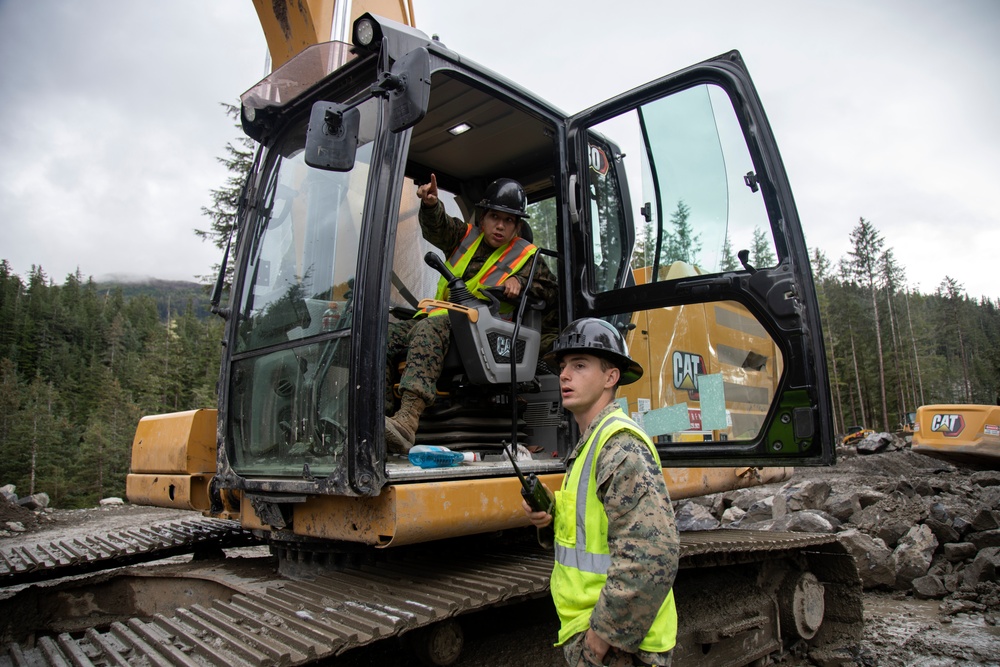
column 292, row 349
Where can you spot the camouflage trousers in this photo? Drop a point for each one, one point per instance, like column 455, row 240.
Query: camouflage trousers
column 425, row 342
column 577, row 654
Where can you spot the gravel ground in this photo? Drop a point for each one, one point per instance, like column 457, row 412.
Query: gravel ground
column 899, row 630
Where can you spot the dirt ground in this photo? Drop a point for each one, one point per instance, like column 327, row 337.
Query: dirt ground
column 899, row 629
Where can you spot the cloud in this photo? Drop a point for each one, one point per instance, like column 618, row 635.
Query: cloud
column 886, row 110
column 112, row 130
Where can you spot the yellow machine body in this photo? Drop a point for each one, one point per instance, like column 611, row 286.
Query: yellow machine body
column 959, row 432
column 173, row 461
column 677, row 345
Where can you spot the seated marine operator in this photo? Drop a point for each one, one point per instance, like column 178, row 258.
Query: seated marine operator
column 490, row 253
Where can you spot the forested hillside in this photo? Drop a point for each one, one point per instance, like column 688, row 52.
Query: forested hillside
column 79, row 365
column 891, row 349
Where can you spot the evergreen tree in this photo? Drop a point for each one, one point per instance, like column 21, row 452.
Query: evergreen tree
column 682, row 244
column 105, row 450
column 543, row 221
column 761, row 249
column 821, row 269
column 954, row 332
column 645, row 247
column 77, row 369
column 729, row 260
column 11, row 293
column 223, row 212
column 865, row 255
column 893, row 276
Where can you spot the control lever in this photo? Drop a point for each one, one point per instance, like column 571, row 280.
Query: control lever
column 459, row 292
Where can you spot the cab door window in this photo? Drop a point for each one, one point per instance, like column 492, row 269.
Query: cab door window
column 691, row 189
column 693, row 250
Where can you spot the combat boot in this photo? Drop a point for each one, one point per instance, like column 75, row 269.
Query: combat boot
column 401, row 428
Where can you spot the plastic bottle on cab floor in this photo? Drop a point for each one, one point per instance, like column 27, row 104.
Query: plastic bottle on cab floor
column 331, row 317
column 433, row 456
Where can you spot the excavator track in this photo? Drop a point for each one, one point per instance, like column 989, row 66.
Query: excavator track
column 61, row 558
column 278, row 621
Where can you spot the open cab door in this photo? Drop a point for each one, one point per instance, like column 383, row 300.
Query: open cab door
column 697, row 255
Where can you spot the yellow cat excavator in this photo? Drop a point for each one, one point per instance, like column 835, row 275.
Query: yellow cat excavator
column 959, row 432
column 363, row 545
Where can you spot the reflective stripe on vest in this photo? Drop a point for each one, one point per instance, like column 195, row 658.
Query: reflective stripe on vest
column 504, row 262
column 577, row 556
column 581, row 546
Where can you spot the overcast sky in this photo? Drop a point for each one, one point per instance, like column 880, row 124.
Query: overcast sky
column 110, row 116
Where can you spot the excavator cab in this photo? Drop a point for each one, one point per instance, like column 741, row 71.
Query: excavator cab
column 640, row 203
column 665, row 211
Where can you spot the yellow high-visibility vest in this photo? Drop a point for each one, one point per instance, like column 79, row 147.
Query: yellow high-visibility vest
column 581, row 544
column 503, row 263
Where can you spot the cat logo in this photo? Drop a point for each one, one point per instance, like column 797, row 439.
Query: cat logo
column 687, row 367
column 948, row 425
column 502, row 348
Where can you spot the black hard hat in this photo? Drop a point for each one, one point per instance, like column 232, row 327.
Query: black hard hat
column 590, row 335
column 507, row 195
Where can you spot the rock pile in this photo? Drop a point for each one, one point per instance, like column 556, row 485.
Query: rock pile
column 18, row 515
column 913, row 523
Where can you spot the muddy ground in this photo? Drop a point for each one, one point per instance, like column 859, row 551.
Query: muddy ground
column 900, row 630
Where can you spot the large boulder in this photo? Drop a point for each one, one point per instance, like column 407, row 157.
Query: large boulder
column 745, row 498
column 34, row 502
column 842, row 505
column 714, row 502
column 942, row 531
column 984, row 539
column 914, row 555
column 986, row 478
column 873, row 557
column 929, row 587
column 733, row 516
column 939, row 512
column 891, row 517
column 868, row 497
column 958, row 552
column 876, row 443
column 985, row 567
column 761, row 510
column 806, row 521
column 794, row 497
column 986, row 519
column 693, row 516
column 8, row 491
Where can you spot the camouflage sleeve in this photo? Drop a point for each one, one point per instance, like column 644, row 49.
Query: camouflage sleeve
column 544, row 285
column 642, row 538
column 440, row 229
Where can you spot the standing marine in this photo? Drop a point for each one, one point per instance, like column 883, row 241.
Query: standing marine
column 616, row 541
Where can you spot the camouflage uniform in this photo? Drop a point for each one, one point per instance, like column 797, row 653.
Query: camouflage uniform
column 643, row 544
column 427, row 338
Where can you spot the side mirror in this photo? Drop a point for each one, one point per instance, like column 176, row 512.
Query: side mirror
column 332, row 137
column 411, row 94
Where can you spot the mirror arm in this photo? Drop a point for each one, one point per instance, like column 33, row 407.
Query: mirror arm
column 389, row 83
column 334, row 120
